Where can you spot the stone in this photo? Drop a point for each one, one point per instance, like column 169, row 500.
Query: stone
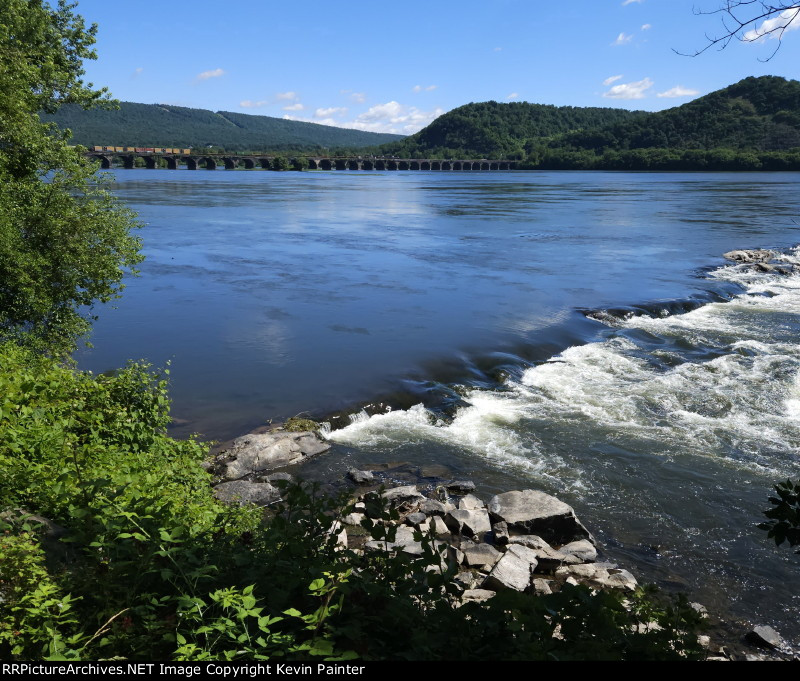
column 535, row 512
column 468, row 579
column 541, row 587
column 548, row 557
column 477, row 595
column 600, row 575
column 276, row 477
column 257, row 452
column 438, row 526
column 243, row 492
column 500, row 534
column 433, row 507
column 764, row 637
column 403, row 494
column 470, row 503
column 471, row 523
column 416, row 519
column 360, row 477
column 480, row 555
column 460, row 487
column 353, row 518
column 582, row 549
column 513, row 570
column 749, row 256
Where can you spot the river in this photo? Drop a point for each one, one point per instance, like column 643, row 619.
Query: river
column 573, row 332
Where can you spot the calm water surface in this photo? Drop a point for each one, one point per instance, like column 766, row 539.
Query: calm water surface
column 575, row 332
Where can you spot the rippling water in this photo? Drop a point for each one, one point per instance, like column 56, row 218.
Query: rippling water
column 575, row 332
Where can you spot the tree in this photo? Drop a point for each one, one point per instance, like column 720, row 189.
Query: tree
column 65, row 242
column 750, row 21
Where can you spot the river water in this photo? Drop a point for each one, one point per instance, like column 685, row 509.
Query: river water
column 572, row 332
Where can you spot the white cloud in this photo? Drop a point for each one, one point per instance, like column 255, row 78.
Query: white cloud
column 513, row 95
column 137, row 72
column 611, row 79
column 623, row 38
column 297, row 106
column 419, row 88
column 286, row 95
column 359, row 97
column 498, row 49
column 216, row 73
column 647, row 27
column 634, row 90
column 628, row 2
column 679, row 91
column 250, row 104
column 331, row 111
column 391, row 117
column 787, row 20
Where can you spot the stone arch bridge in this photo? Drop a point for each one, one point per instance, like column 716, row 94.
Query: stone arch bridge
column 234, row 161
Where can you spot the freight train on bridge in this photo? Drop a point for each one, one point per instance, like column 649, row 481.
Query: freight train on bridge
column 174, row 158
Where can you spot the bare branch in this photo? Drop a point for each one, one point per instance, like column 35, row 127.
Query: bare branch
column 750, row 21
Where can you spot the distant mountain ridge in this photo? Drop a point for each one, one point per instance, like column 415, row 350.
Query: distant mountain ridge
column 155, row 125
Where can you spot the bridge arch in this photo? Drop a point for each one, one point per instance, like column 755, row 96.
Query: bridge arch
column 403, row 165
column 367, row 165
column 483, row 166
column 456, row 165
column 211, row 164
column 312, row 164
column 380, row 165
column 325, row 164
column 414, row 165
column 352, row 164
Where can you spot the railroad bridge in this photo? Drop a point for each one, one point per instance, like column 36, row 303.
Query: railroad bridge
column 234, row 161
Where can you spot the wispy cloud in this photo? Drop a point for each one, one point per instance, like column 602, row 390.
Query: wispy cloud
column 215, row 73
column 786, row 21
column 513, row 95
column 623, row 38
column 611, row 79
column 250, row 104
column 297, row 106
column 330, row 111
column 647, row 27
column 358, row 97
column 390, row 117
column 679, row 91
column 286, row 95
column 629, row 2
column 498, row 49
column 635, row 90
column 137, row 72
column 419, row 88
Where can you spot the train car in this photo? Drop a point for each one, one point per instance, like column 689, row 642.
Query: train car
column 186, row 151
column 130, row 149
column 119, row 148
column 97, row 148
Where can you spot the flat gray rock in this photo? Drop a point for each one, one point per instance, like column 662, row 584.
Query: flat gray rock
column 243, row 492
column 257, row 452
column 513, row 570
column 360, row 477
column 471, row 523
column 764, row 636
column 582, row 549
column 480, row 555
column 535, row 512
column 402, row 494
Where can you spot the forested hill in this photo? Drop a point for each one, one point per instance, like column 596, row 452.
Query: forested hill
column 753, row 124
column 757, row 114
column 495, row 130
column 155, row 125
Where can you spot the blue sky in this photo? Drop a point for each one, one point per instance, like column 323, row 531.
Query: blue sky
column 388, row 67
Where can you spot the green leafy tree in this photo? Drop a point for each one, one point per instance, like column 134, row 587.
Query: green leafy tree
column 65, row 243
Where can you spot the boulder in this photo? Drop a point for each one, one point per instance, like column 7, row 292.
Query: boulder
column 764, row 637
column 460, row 487
column 541, row 587
column 513, row 570
column 416, row 519
column 548, row 558
column 405, row 493
column 480, row 556
column 749, row 256
column 582, row 549
column 535, row 512
column 243, row 492
column 257, row 452
column 477, row 595
column 500, row 536
column 470, row 503
column 599, row 575
column 433, row 507
column 471, row 523
column 360, row 477
column 438, row 526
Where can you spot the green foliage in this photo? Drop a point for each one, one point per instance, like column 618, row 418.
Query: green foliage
column 784, row 516
column 280, row 163
column 64, row 241
column 163, row 125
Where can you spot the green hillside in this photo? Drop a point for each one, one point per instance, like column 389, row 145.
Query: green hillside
column 758, row 114
column 495, row 130
column 751, row 125
column 154, row 125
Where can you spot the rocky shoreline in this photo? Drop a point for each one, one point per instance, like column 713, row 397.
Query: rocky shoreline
column 524, row 540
